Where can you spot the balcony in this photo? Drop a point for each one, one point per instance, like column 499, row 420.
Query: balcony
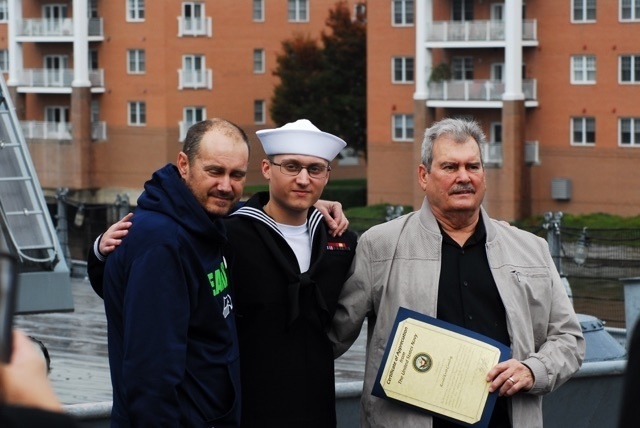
column 492, row 153
column 195, row 26
column 33, row 129
column 451, row 34
column 55, row 30
column 56, row 81
column 195, row 79
column 475, row 93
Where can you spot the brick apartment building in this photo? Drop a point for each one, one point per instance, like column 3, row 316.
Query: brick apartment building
column 554, row 84
column 106, row 89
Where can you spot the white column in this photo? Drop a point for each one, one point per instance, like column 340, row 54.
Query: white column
column 423, row 62
column 513, row 50
column 14, row 9
column 80, row 44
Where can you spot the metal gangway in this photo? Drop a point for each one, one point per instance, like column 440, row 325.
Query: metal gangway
column 26, row 229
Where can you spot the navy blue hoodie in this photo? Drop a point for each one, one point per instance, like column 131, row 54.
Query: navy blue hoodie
column 173, row 350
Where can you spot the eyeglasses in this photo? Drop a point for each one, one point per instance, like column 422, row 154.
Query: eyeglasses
column 293, row 168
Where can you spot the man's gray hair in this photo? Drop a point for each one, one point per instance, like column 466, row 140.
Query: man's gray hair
column 458, row 129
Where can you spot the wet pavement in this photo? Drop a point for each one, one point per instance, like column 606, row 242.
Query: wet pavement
column 77, row 343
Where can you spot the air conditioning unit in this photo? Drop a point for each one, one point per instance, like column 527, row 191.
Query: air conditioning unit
column 561, row 189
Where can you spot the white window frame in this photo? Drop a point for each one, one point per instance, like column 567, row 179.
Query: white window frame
column 402, row 13
column 298, row 10
column 631, row 8
column 402, row 127
column 4, row 60
column 580, row 11
column 634, row 64
column 135, row 11
column 464, row 10
column 461, row 65
column 136, row 61
column 4, row 11
column 194, row 64
column 497, row 72
column 497, row 12
column 55, row 68
column 583, row 69
column 259, row 112
column 634, row 129
column 582, row 124
column 258, row 61
column 258, row 10
column 194, row 114
column 137, row 113
column 194, row 18
column 56, row 114
column 402, row 69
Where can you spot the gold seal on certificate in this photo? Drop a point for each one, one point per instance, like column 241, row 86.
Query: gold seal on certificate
column 438, row 367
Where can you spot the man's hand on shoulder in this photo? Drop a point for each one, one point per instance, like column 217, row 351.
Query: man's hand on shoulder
column 333, row 216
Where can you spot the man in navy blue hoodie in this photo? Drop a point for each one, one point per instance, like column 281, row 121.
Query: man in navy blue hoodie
column 173, row 349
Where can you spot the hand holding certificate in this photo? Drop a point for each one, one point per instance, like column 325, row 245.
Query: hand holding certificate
column 439, row 367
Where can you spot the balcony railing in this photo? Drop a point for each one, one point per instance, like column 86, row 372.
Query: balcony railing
column 62, row 27
column 195, row 26
column 33, row 129
column 476, row 31
column 56, row 78
column 184, row 127
column 195, row 79
column 476, row 90
column 492, row 153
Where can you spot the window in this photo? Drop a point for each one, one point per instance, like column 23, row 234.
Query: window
column 403, row 127
column 402, row 69
column 137, row 113
column 136, row 63
column 462, row 68
column 402, row 12
column 56, row 67
column 93, row 59
column 630, row 131
column 193, row 115
column 193, row 67
column 497, row 72
column 193, row 18
column 135, row 10
column 495, row 134
column 630, row 69
column 583, row 131
column 462, row 10
column 258, row 60
column 298, row 10
column 583, row 11
column 583, row 69
column 259, row 111
column 93, row 9
column 629, row 10
column 258, row 10
column 4, row 11
column 4, row 61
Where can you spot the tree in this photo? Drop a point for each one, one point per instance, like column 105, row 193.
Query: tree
column 326, row 84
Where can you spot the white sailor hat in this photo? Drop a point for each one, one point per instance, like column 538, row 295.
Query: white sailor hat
column 300, row 138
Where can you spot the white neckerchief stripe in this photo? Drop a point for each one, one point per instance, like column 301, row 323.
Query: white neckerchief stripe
column 312, row 222
column 260, row 216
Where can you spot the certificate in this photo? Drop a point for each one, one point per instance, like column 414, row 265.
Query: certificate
column 440, row 368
